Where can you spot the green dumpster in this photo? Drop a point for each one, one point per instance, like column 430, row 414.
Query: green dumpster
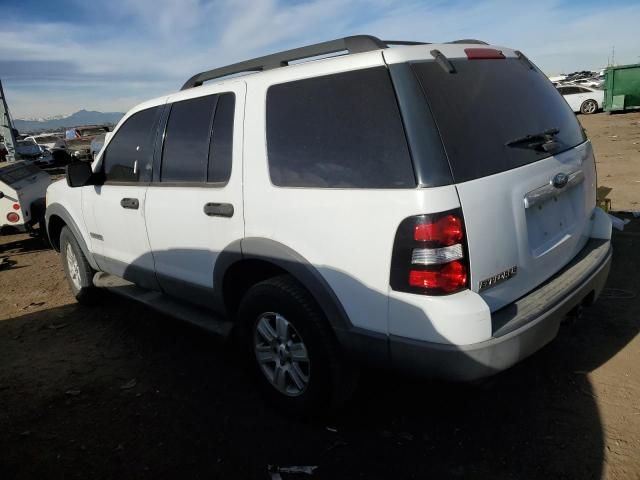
column 622, row 88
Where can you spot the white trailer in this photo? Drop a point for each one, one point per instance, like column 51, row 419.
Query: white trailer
column 22, row 196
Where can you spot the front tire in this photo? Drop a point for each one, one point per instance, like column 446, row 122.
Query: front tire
column 589, row 107
column 294, row 353
column 77, row 269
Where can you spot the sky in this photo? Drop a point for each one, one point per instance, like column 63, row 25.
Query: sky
column 60, row 56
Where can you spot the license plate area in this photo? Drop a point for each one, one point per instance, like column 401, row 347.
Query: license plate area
column 552, row 221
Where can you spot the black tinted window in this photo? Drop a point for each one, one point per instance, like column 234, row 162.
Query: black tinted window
column 186, row 143
column 489, row 103
column 341, row 130
column 221, row 149
column 132, row 142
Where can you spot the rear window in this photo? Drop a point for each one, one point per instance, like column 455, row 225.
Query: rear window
column 337, row 131
column 487, row 103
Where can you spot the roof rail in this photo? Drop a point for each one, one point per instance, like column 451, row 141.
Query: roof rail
column 403, row 42
column 470, row 40
column 354, row 44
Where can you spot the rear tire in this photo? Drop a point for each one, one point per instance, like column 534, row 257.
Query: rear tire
column 589, row 107
column 296, row 358
column 77, row 269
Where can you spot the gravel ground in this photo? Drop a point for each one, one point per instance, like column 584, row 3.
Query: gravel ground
column 121, row 391
column 616, row 143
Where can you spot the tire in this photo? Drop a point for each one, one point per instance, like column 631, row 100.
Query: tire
column 589, row 107
column 77, row 269
column 305, row 388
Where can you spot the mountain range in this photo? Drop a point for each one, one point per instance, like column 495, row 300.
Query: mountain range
column 82, row 117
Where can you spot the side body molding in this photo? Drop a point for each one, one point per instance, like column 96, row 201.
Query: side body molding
column 55, row 209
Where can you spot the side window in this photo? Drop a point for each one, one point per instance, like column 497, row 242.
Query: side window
column 571, row 90
column 129, row 155
column 337, row 131
column 199, row 140
column 186, row 142
column 584, row 90
column 562, row 90
column 221, row 148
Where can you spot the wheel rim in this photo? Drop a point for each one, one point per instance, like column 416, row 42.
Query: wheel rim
column 281, row 354
column 73, row 267
column 589, row 107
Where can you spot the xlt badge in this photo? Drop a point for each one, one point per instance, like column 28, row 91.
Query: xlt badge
column 499, row 278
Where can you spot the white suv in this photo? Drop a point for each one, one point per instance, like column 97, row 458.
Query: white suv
column 428, row 207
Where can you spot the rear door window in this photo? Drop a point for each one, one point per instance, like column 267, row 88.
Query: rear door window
column 337, row 131
column 186, row 143
column 129, row 155
column 486, row 104
column 198, row 140
column 221, row 148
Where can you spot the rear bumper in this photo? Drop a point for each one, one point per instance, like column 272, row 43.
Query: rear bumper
column 519, row 329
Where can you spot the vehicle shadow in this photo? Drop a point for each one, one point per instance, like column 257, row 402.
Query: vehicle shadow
column 120, row 390
column 15, row 244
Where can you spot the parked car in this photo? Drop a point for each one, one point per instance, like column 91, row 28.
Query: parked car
column 383, row 206
column 45, row 140
column 582, row 99
column 31, row 152
column 22, row 196
column 78, row 141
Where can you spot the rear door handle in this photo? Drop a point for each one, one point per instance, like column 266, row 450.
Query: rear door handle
column 218, row 209
column 131, row 203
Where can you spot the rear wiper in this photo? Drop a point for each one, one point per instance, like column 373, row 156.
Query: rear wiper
column 544, row 140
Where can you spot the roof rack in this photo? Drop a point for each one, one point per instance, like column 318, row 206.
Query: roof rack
column 354, row 44
column 470, row 40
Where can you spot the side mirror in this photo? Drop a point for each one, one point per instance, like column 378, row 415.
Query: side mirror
column 79, row 174
column 1, row 195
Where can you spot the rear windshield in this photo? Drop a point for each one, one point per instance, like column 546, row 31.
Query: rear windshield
column 12, row 174
column 486, row 104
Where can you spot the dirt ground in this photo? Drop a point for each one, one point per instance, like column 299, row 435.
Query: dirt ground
column 120, row 391
column 616, row 143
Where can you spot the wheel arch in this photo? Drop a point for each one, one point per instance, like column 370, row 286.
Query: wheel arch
column 56, row 218
column 251, row 260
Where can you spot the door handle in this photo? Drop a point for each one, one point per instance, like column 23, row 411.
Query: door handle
column 131, row 203
column 218, row 209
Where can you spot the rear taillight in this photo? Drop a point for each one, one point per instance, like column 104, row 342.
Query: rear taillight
column 13, row 217
column 430, row 255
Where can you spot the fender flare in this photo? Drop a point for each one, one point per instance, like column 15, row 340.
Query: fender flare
column 257, row 248
column 60, row 211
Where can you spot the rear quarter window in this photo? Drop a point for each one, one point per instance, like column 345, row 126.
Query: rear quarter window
column 337, row 131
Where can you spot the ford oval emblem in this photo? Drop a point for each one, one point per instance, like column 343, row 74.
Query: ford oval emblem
column 560, row 180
